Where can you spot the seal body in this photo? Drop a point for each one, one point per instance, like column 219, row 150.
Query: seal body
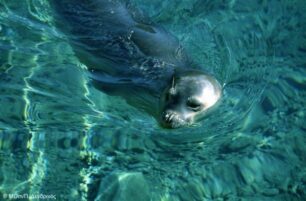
column 139, row 60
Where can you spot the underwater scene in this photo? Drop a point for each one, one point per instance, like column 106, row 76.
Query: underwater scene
column 62, row 138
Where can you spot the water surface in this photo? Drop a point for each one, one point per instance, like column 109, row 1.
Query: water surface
column 61, row 136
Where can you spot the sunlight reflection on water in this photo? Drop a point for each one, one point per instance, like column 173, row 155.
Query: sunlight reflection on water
column 60, row 135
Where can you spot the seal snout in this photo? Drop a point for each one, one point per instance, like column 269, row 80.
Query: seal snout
column 171, row 119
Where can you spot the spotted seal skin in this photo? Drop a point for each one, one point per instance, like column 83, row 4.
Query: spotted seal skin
column 129, row 56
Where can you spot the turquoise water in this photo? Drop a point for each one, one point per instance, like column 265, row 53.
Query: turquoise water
column 60, row 137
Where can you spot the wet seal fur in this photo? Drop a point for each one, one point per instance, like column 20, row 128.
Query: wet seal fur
column 129, row 56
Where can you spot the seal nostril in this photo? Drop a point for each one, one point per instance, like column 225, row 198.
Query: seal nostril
column 167, row 117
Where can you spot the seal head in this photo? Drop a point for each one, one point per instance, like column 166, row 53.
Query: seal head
column 189, row 95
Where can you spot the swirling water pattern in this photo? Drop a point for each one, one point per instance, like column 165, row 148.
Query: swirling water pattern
column 60, row 136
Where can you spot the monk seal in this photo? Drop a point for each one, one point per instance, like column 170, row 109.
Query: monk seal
column 138, row 60
column 189, row 96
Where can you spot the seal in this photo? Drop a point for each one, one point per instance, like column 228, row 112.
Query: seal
column 129, row 56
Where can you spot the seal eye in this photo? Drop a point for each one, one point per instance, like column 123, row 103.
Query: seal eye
column 194, row 105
